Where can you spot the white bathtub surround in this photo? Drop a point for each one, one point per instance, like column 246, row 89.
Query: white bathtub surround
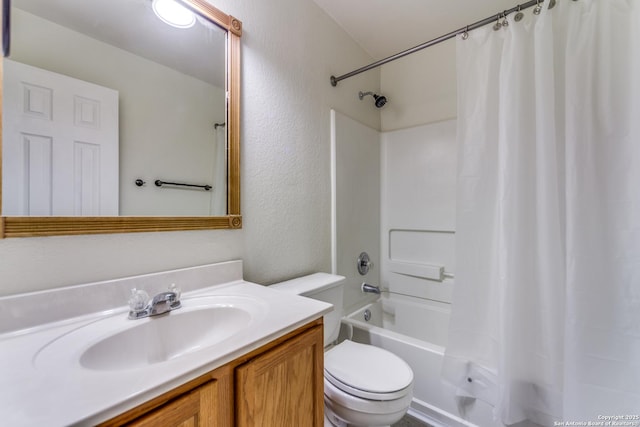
column 545, row 309
column 418, row 208
column 420, row 319
column 47, row 383
column 355, row 193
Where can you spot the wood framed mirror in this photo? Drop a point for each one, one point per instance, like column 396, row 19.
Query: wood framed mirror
column 18, row 225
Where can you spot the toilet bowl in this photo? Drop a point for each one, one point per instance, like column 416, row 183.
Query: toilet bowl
column 364, row 385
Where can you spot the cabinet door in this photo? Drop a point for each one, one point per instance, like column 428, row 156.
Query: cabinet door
column 284, row 386
column 198, row 408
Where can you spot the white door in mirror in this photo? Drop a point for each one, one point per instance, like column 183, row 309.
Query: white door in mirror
column 60, row 144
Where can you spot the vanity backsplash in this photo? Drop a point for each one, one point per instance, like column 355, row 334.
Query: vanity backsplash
column 24, row 311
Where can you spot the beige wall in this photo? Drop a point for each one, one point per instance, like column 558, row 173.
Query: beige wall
column 421, row 87
column 290, row 48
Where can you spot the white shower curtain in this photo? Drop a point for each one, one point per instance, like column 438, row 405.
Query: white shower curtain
column 545, row 324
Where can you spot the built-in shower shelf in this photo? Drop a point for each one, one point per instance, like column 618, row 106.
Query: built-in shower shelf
column 423, row 271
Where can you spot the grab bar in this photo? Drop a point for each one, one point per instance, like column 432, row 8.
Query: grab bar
column 160, row 183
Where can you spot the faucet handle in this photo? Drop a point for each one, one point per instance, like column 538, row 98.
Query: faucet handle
column 138, row 300
column 176, row 290
column 364, row 263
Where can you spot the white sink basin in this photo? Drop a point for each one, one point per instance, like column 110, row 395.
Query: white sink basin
column 165, row 337
column 116, row 343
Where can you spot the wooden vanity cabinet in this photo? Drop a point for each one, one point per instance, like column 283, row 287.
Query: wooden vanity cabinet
column 198, row 407
column 279, row 384
column 204, row 401
column 283, row 386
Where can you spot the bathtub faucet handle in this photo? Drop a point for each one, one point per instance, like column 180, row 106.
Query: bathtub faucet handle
column 370, row 288
column 364, row 263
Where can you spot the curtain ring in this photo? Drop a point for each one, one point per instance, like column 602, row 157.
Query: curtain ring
column 497, row 25
column 519, row 15
column 538, row 8
column 465, row 34
column 505, row 23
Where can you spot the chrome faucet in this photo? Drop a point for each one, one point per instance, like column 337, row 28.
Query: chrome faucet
column 163, row 302
column 159, row 304
column 370, row 288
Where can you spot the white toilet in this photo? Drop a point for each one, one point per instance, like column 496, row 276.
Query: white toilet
column 364, row 385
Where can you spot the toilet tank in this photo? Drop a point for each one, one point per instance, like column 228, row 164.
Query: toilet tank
column 323, row 287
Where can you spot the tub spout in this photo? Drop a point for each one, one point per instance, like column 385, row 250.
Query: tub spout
column 370, row 288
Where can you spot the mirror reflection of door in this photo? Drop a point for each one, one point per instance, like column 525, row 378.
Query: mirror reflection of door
column 171, row 85
column 60, row 144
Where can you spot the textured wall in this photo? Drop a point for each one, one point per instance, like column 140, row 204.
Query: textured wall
column 290, row 48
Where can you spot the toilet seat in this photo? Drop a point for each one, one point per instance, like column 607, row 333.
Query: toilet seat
column 367, row 372
column 338, row 400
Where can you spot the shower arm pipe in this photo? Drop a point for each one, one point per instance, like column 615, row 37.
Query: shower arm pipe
column 334, row 80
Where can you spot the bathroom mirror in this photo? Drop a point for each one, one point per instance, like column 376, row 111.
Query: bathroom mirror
column 167, row 96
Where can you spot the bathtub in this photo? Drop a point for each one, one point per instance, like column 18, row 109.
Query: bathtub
column 415, row 329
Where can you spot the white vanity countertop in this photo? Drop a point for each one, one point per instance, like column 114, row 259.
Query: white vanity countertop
column 57, row 391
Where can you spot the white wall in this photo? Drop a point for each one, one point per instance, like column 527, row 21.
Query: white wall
column 290, row 48
column 151, row 147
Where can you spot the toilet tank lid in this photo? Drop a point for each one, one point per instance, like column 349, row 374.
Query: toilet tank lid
column 309, row 284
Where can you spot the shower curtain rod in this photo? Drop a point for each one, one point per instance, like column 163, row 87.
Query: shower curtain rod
column 334, row 80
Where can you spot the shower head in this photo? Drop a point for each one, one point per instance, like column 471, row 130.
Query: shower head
column 378, row 99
